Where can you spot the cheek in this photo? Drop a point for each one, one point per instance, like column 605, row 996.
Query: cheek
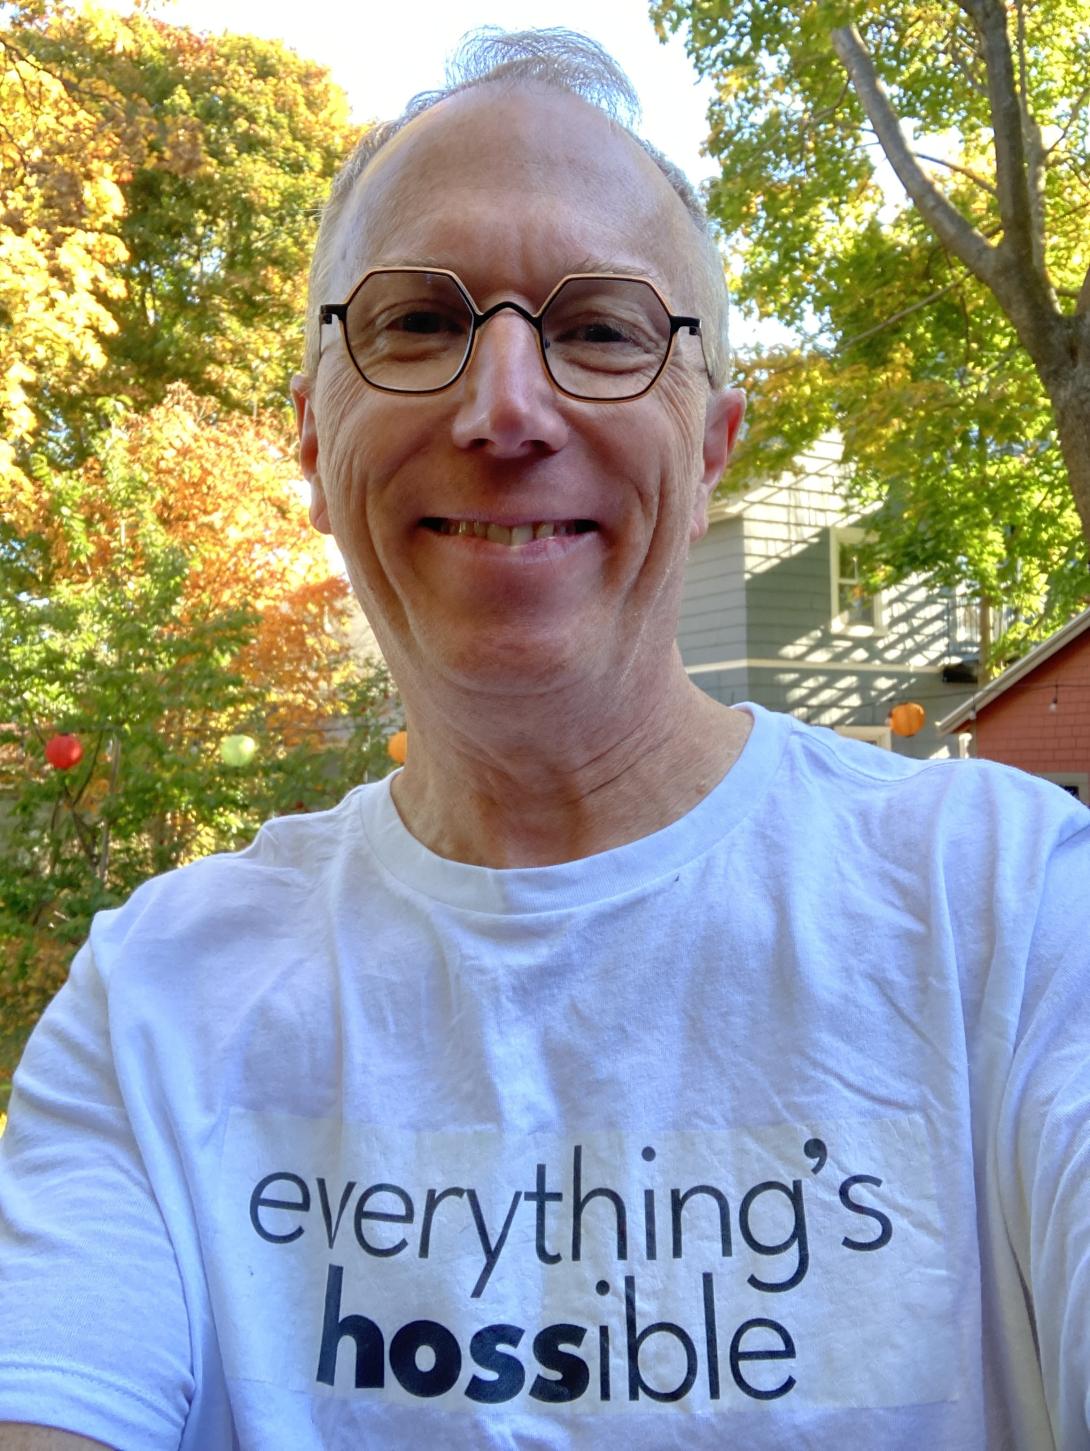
column 366, row 438
column 350, row 460
column 338, row 422
column 684, row 462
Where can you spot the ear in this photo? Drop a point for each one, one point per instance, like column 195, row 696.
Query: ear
column 307, row 426
column 726, row 409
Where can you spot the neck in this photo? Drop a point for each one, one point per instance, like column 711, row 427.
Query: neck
column 501, row 786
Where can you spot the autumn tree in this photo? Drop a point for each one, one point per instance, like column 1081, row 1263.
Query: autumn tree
column 60, row 209
column 165, row 595
column 947, row 335
column 160, row 588
column 159, row 199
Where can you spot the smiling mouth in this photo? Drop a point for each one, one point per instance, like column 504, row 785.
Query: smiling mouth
column 514, row 534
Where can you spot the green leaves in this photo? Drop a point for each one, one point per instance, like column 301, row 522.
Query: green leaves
column 158, row 206
column 160, row 587
column 948, row 401
column 161, row 597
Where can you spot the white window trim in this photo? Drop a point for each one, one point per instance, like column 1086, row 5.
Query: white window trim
column 877, row 735
column 850, row 534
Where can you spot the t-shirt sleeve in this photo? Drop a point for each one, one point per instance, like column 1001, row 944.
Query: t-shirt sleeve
column 1044, row 1141
column 94, row 1335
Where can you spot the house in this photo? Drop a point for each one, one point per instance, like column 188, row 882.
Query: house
column 773, row 612
column 1036, row 715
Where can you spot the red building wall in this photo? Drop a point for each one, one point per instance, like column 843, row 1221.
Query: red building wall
column 1019, row 729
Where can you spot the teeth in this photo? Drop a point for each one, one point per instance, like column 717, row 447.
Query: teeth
column 502, row 534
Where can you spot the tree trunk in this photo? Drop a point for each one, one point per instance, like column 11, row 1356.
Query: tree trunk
column 1013, row 269
column 1070, row 395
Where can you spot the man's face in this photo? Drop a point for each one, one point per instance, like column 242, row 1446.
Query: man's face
column 512, row 190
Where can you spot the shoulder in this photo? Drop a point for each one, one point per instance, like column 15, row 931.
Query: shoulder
column 983, row 783
column 970, row 815
column 279, row 877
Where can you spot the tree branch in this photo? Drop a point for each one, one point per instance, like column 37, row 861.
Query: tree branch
column 72, row 87
column 944, row 219
column 1007, row 118
column 808, row 122
column 1076, row 108
column 898, row 316
column 1035, row 152
column 1009, row 268
column 1082, row 307
column 877, row 328
column 953, row 166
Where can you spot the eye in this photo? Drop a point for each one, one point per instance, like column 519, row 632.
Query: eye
column 587, row 332
column 424, row 321
column 593, row 332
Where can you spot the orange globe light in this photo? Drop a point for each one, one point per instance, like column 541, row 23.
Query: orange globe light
column 397, row 747
column 63, row 752
column 907, row 718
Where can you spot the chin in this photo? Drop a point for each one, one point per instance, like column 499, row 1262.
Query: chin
column 522, row 664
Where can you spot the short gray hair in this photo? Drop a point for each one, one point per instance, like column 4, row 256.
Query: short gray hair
column 566, row 61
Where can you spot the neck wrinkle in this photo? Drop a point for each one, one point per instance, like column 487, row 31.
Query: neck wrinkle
column 522, row 799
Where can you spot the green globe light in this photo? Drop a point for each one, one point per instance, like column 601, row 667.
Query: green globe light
column 237, row 750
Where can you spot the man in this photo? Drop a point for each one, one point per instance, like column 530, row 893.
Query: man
column 626, row 1070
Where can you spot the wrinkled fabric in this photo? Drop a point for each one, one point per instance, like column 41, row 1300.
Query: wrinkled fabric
column 767, row 1129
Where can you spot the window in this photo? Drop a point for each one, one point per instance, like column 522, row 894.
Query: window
column 966, row 620
column 854, row 611
column 880, row 736
column 1077, row 783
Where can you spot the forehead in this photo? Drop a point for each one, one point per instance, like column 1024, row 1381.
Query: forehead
column 511, row 188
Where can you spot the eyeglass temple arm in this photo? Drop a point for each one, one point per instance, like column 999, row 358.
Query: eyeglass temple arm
column 693, row 324
column 330, row 312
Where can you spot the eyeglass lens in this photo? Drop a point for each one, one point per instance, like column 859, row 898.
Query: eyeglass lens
column 604, row 337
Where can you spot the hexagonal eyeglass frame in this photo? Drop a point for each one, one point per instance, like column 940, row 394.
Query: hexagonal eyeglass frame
column 331, row 312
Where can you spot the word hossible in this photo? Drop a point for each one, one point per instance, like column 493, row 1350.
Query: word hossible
column 564, row 1363
column 384, row 1209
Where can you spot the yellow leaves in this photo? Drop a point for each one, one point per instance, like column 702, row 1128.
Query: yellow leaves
column 14, row 406
column 52, row 296
column 36, row 978
column 16, row 490
column 59, row 205
column 183, row 149
column 102, row 195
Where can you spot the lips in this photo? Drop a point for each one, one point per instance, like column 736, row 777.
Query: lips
column 510, row 534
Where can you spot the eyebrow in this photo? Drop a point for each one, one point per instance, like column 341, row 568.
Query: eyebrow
column 620, row 269
column 595, row 265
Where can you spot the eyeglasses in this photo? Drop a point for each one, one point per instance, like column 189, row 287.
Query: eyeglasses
column 413, row 329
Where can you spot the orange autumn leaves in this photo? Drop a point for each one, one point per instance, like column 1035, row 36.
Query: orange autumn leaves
column 224, row 489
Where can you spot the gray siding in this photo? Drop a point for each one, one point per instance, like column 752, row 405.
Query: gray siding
column 712, row 625
column 758, row 619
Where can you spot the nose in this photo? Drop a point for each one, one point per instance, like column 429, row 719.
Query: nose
column 508, row 407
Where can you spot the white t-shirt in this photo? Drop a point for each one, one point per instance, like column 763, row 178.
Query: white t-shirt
column 769, row 1129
